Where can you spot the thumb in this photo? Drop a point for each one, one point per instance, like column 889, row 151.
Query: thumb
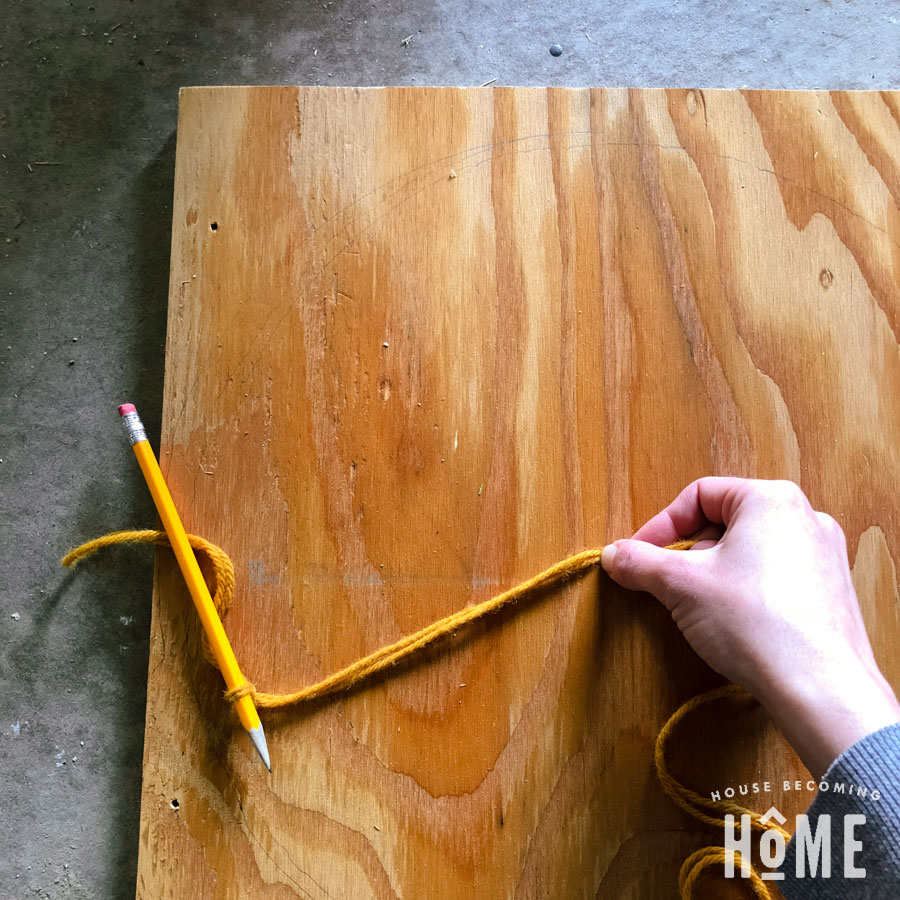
column 640, row 566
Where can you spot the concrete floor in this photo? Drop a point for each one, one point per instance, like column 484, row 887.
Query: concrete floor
column 91, row 87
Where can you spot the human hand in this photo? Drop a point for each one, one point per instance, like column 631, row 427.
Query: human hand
column 766, row 599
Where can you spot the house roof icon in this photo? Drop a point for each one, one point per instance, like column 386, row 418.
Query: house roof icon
column 770, row 814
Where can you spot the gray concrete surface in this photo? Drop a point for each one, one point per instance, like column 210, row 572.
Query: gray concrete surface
column 84, row 243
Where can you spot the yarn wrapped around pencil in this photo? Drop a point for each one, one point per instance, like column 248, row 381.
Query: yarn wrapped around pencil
column 710, row 812
column 219, row 560
column 354, row 674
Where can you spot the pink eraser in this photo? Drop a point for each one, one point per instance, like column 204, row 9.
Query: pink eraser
column 126, row 408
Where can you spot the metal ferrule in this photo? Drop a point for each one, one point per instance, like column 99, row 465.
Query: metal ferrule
column 134, row 428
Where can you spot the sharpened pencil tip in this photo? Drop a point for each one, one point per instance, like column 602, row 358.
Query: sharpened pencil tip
column 258, row 736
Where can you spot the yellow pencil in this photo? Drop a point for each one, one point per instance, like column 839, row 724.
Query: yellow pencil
column 212, row 624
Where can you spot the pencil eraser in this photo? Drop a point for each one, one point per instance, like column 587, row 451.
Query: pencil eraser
column 126, row 408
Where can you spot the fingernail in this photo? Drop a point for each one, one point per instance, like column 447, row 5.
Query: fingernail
column 607, row 557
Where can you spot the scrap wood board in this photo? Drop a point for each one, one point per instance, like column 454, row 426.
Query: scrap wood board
column 423, row 343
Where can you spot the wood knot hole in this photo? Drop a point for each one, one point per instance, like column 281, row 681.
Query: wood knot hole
column 826, row 278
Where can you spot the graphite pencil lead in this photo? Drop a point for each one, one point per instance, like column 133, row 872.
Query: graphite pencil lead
column 258, row 736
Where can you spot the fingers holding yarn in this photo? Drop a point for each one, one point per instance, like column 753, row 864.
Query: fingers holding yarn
column 704, row 501
column 642, row 566
column 708, row 536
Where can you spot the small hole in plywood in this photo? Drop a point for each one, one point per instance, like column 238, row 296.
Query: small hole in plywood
column 174, row 804
column 213, row 226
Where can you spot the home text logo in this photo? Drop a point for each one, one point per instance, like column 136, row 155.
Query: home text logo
column 813, row 842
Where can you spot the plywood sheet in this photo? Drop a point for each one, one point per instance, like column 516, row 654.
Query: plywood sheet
column 425, row 342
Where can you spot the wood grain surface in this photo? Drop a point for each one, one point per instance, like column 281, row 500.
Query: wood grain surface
column 425, row 342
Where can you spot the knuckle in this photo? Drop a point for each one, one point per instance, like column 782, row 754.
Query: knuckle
column 784, row 493
column 830, row 524
column 790, row 491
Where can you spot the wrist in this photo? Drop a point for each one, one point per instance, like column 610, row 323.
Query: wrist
column 823, row 716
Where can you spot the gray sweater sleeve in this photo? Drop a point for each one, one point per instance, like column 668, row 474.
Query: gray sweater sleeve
column 862, row 781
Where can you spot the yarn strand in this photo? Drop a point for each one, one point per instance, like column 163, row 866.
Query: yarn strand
column 362, row 669
column 709, row 812
column 352, row 675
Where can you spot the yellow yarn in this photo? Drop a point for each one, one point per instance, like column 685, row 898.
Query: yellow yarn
column 382, row 659
column 706, row 857
column 710, row 812
column 222, row 566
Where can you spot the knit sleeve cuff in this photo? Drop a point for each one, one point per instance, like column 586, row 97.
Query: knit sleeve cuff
column 864, row 781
